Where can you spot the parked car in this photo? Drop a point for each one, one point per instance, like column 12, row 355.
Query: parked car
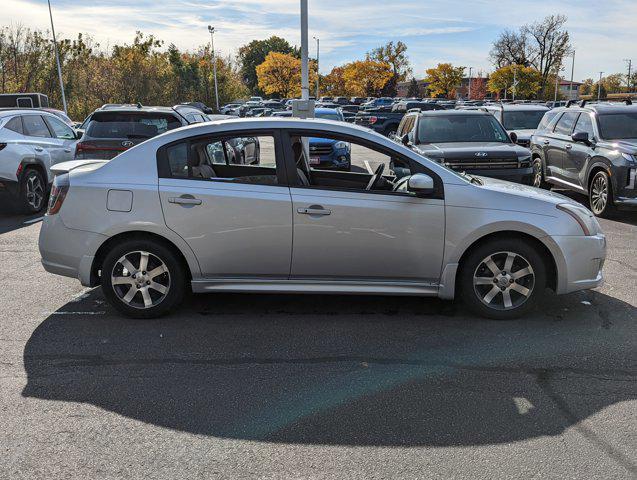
column 31, row 141
column 591, row 149
column 202, row 107
column 327, row 153
column 386, row 119
column 467, row 140
column 357, row 100
column 24, row 100
column 112, row 130
column 225, row 110
column 520, row 119
column 288, row 227
column 377, row 103
column 341, row 100
column 256, row 99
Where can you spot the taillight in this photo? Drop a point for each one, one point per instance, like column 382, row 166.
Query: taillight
column 58, row 193
column 2, row 145
column 373, row 120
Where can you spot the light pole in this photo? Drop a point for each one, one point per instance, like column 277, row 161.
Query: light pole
column 318, row 44
column 570, row 92
column 469, row 94
column 557, row 79
column 57, row 59
column 515, row 82
column 599, row 87
column 211, row 29
column 630, row 64
column 305, row 78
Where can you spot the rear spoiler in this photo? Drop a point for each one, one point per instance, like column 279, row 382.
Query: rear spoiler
column 66, row 167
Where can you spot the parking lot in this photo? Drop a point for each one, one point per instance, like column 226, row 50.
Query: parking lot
column 311, row 386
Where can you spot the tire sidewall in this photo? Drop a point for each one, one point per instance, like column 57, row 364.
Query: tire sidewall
column 177, row 278
column 610, row 206
column 538, row 163
column 24, row 206
column 475, row 257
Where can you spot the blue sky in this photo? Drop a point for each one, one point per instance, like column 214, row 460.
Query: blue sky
column 435, row 31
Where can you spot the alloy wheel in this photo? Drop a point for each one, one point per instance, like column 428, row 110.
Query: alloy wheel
column 504, row 280
column 599, row 194
column 140, row 279
column 34, row 191
column 537, row 174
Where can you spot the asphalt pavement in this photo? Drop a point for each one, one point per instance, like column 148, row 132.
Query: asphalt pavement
column 279, row 386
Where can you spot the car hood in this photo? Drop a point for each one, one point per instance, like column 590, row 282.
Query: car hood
column 524, row 191
column 627, row 145
column 469, row 149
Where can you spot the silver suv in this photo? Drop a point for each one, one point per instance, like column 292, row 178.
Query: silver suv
column 175, row 213
column 31, row 141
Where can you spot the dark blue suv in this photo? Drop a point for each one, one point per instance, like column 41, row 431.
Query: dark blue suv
column 325, row 153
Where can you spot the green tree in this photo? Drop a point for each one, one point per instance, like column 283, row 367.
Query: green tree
column 528, row 81
column 254, row 53
column 395, row 55
column 444, row 78
column 414, row 89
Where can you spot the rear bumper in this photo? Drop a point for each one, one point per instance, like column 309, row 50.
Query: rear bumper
column 581, row 262
column 66, row 251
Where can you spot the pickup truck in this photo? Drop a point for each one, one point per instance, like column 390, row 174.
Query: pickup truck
column 385, row 120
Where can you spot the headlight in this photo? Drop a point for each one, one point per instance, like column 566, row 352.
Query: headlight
column 630, row 158
column 583, row 216
column 341, row 145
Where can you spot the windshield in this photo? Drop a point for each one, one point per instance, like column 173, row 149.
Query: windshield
column 460, row 128
column 330, row 116
column 522, row 120
column 130, row 125
column 618, row 126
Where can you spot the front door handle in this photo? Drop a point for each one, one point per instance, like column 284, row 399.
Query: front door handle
column 568, row 146
column 38, row 149
column 185, row 200
column 67, row 150
column 546, row 142
column 314, row 211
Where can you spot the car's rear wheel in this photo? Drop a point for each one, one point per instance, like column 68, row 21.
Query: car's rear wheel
column 33, row 191
column 502, row 279
column 143, row 279
column 600, row 195
column 538, row 174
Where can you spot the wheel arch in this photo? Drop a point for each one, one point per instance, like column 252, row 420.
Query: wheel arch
column 597, row 166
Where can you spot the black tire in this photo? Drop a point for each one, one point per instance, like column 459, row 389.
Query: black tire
column 539, row 180
column 175, row 279
column 32, row 199
column 600, row 195
column 474, row 296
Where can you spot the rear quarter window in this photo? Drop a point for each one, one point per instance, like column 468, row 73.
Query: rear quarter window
column 15, row 125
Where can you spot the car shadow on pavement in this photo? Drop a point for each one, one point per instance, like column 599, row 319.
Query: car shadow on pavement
column 384, row 371
column 11, row 221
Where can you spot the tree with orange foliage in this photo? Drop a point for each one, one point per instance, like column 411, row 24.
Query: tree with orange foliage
column 366, row 77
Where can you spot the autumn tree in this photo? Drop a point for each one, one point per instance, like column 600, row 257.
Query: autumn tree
column 414, row 88
column 334, row 82
column 254, row 54
column 478, row 88
column 365, row 78
column 280, row 74
column 395, row 55
column 444, row 78
column 524, row 81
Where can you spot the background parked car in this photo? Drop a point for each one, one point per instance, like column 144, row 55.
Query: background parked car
column 520, row 119
column 386, row 119
column 114, row 129
column 591, row 149
column 31, row 141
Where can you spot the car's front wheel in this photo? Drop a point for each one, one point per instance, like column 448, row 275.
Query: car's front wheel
column 600, row 194
column 502, row 279
column 143, row 279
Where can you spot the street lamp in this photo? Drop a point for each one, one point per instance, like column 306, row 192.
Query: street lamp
column 469, row 94
column 570, row 92
column 599, row 86
column 57, row 59
column 630, row 64
column 317, row 66
column 211, row 29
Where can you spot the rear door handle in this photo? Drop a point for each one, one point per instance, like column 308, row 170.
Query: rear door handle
column 546, row 142
column 67, row 150
column 38, row 149
column 185, row 200
column 314, row 211
column 568, row 146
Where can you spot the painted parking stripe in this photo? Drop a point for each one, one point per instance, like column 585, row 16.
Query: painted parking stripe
column 33, row 220
column 368, row 167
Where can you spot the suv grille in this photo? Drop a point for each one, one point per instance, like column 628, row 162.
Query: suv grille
column 320, row 149
column 496, row 164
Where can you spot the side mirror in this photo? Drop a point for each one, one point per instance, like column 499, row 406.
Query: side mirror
column 514, row 137
column 78, row 134
column 420, row 184
column 581, row 137
column 405, row 139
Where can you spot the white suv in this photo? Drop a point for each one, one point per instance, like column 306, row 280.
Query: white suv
column 30, row 142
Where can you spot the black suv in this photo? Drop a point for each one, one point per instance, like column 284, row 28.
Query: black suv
column 114, row 128
column 470, row 141
column 590, row 149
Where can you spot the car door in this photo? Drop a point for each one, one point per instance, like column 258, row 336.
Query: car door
column 45, row 148
column 64, row 138
column 236, row 218
column 556, row 145
column 349, row 233
column 580, row 153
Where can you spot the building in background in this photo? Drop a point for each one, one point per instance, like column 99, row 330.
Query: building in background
column 566, row 93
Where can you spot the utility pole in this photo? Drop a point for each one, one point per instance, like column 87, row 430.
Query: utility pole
column 305, row 78
column 57, row 59
column 630, row 64
column 469, row 94
column 570, row 92
column 515, row 82
column 317, row 66
column 599, row 87
column 557, row 79
column 211, row 29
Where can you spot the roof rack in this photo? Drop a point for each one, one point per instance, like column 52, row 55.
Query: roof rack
column 582, row 103
column 570, row 102
column 628, row 101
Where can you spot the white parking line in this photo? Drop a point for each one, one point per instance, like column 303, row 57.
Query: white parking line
column 368, row 167
column 33, row 220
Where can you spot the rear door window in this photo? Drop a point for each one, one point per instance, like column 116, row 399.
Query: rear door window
column 130, row 125
column 564, row 125
column 34, row 126
column 585, row 124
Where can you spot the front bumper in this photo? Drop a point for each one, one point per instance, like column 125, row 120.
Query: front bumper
column 66, row 251
column 338, row 160
column 517, row 175
column 580, row 262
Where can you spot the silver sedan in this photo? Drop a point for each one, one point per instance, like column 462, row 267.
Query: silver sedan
column 175, row 213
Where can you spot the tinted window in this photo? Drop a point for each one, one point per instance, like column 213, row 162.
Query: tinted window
column 330, row 116
column 618, row 126
column 60, row 129
column 584, row 124
column 130, row 125
column 565, row 123
column 15, row 125
column 178, row 160
column 546, row 119
column 460, row 128
column 521, row 120
column 34, row 126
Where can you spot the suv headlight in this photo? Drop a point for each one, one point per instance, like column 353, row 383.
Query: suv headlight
column 583, row 217
column 630, row 158
column 341, row 145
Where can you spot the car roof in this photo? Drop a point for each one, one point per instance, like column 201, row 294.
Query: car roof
column 325, row 110
column 133, row 108
column 444, row 113
column 517, row 106
column 9, row 111
column 603, row 108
